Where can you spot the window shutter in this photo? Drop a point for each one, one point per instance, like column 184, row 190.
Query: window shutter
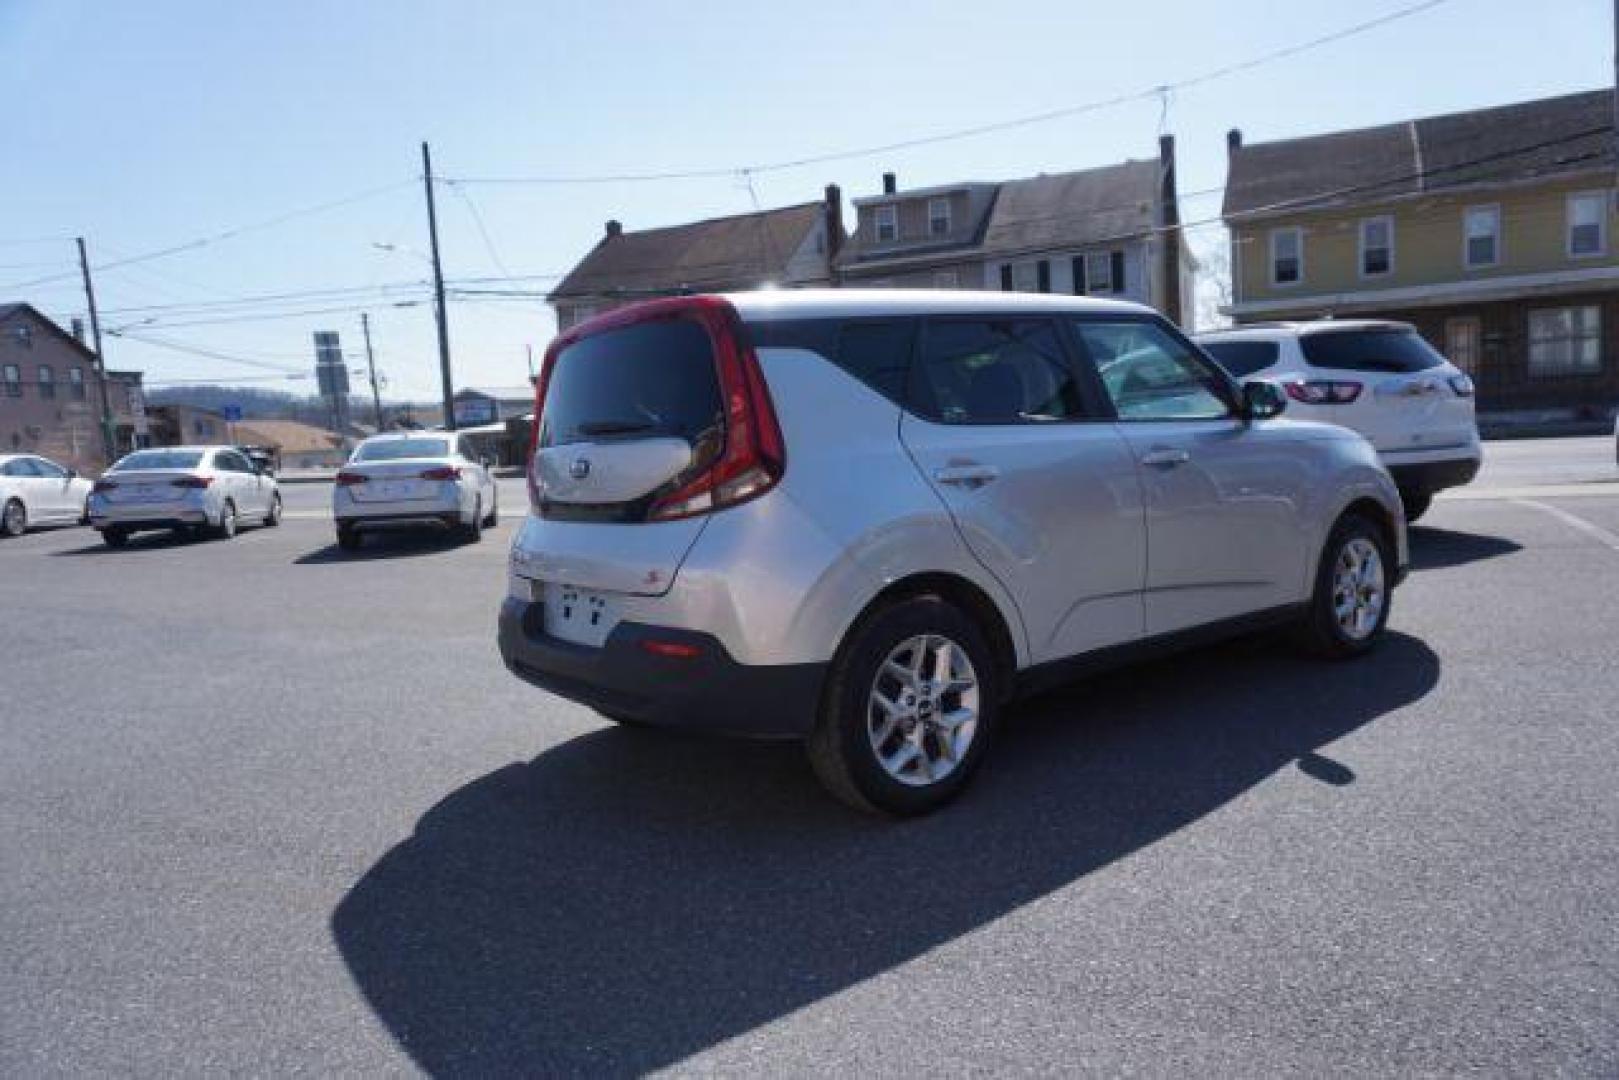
column 1118, row 271
column 1043, row 270
column 1079, row 275
column 1006, row 277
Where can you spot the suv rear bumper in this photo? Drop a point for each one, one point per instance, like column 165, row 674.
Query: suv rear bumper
column 707, row 692
column 1426, row 477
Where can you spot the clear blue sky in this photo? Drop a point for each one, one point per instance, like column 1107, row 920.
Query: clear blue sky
column 144, row 125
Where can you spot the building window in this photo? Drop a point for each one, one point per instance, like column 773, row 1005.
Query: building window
column 75, row 383
column 1104, row 272
column 1587, row 224
column 24, row 336
column 47, row 381
column 1025, row 278
column 1006, row 277
column 946, row 279
column 887, row 224
column 1376, row 246
column 1077, row 269
column 1286, row 256
column 1481, row 229
column 1462, row 342
column 938, row 217
column 1042, row 275
column 11, row 375
column 1565, row 341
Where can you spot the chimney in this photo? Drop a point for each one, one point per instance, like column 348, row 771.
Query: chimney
column 78, row 330
column 1233, row 140
column 614, row 229
column 1169, row 240
column 833, row 210
column 890, row 184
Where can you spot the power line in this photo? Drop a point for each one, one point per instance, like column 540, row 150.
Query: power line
column 210, row 354
column 981, row 129
column 477, row 219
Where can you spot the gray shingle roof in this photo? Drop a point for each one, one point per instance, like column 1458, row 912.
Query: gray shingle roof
column 1511, row 142
column 1073, row 209
column 720, row 253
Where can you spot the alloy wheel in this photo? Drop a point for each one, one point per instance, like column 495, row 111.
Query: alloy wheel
column 922, row 712
column 1359, row 590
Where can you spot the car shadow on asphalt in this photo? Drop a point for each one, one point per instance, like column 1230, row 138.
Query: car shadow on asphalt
column 1439, row 549
column 628, row 899
column 155, row 540
column 399, row 544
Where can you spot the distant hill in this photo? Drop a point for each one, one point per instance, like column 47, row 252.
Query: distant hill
column 258, row 403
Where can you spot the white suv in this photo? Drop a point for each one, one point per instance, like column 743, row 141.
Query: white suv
column 868, row 519
column 1379, row 378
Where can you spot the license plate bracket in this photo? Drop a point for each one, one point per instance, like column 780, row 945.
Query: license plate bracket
column 579, row 616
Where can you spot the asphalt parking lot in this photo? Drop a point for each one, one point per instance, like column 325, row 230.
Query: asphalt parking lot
column 266, row 807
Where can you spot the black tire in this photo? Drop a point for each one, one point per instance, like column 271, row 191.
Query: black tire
column 1321, row 630
column 273, row 518
column 13, row 518
column 1416, row 503
column 472, row 532
column 114, row 538
column 226, row 529
column 840, row 747
column 623, row 721
column 494, row 514
column 348, row 538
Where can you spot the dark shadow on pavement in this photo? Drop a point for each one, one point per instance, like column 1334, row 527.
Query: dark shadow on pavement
column 626, row 899
column 1439, row 549
column 156, row 540
column 390, row 544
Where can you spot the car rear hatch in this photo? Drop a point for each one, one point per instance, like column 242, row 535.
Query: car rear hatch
column 1409, row 396
column 648, row 419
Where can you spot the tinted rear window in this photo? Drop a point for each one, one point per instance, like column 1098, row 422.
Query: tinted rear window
column 640, row 381
column 1370, row 350
column 399, row 449
column 1243, row 358
column 160, row 459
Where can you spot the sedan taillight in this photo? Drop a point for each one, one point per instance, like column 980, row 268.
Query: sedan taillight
column 195, row 483
column 103, row 486
column 349, row 479
column 1323, row 392
column 443, row 472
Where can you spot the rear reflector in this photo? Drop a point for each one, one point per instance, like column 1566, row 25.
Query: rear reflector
column 349, row 479
column 673, row 650
column 445, row 472
column 195, row 483
column 1323, row 392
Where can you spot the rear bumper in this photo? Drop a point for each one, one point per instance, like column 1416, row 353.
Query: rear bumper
column 149, row 518
column 401, row 520
column 710, row 692
column 1426, row 477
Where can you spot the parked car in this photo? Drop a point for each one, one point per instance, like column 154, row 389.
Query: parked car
column 406, row 479
column 1379, row 378
column 184, row 488
column 37, row 491
column 869, row 519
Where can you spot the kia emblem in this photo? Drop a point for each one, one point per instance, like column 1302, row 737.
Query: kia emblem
column 579, row 468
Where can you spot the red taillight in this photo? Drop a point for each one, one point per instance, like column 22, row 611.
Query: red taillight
column 1461, row 385
column 349, row 479
column 673, row 650
column 442, row 472
column 195, row 483
column 1323, row 392
column 103, row 486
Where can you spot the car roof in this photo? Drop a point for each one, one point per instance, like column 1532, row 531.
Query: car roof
column 773, row 305
column 1270, row 330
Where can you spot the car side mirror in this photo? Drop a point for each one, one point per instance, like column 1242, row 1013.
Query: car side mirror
column 1262, row 400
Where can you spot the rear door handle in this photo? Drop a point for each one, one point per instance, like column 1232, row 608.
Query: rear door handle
column 1166, row 459
column 966, row 475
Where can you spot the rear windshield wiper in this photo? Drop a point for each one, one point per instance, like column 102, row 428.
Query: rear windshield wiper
column 614, row 427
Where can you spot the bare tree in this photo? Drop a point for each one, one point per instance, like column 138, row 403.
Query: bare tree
column 1212, row 285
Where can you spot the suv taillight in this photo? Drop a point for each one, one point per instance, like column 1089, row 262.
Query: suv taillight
column 754, row 454
column 101, row 487
column 1323, row 392
column 349, row 479
column 442, row 472
column 195, row 483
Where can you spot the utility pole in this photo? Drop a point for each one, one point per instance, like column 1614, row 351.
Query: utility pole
column 108, row 445
column 438, row 294
column 371, row 365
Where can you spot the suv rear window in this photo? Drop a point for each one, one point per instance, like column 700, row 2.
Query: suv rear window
column 1243, row 358
column 1392, row 351
column 649, row 379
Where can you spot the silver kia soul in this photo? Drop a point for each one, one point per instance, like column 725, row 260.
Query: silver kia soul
column 870, row 519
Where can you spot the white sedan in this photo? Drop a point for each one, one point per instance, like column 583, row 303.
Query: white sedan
column 413, row 478
column 183, row 488
column 38, row 491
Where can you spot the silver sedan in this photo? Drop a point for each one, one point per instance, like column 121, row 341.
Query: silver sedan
column 409, row 479
column 184, row 488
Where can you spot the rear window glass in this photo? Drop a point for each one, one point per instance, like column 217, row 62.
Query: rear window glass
column 160, row 459
column 1370, row 350
column 399, row 449
column 878, row 354
column 651, row 379
column 1243, row 358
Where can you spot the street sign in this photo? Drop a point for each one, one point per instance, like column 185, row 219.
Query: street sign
column 330, row 374
column 231, row 413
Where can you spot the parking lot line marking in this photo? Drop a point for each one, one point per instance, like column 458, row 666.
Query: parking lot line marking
column 1597, row 532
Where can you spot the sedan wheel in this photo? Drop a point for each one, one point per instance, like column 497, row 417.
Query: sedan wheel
column 14, row 519
column 273, row 518
column 226, row 529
